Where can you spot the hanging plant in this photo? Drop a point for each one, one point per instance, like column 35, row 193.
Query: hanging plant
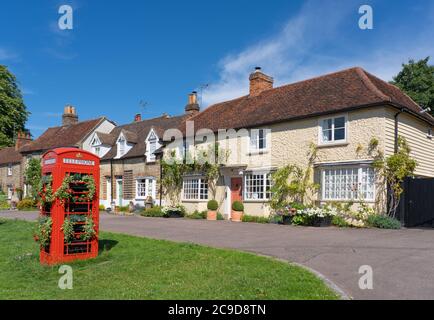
column 45, row 192
column 68, row 230
column 88, row 229
column 43, row 231
column 66, row 193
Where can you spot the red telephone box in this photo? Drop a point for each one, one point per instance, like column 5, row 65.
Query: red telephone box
column 69, row 202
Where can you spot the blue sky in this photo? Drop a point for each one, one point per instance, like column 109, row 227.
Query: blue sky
column 123, row 52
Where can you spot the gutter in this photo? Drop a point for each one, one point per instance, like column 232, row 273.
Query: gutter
column 397, row 128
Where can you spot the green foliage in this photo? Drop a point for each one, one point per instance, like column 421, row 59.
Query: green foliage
column 124, row 209
column 255, row 219
column 291, row 183
column 43, row 231
column 101, row 207
column 153, row 212
column 68, row 230
column 13, row 113
column 26, row 204
column 417, row 80
column 197, row 215
column 65, row 192
column 220, row 216
column 340, row 221
column 4, row 205
column 238, row 206
column 32, row 175
column 212, row 205
column 394, row 169
column 88, row 229
column 205, row 162
column 301, row 220
column 383, row 222
column 45, row 190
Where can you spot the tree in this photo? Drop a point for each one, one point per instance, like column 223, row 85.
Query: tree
column 13, row 112
column 33, row 175
column 394, row 170
column 416, row 79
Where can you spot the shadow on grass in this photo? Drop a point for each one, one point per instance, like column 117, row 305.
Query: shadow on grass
column 106, row 245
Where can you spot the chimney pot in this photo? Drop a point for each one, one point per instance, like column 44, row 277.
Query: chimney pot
column 259, row 82
column 193, row 106
column 70, row 116
column 138, row 117
column 22, row 139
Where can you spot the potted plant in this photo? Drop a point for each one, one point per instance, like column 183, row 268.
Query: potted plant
column 212, row 206
column 237, row 211
column 173, row 212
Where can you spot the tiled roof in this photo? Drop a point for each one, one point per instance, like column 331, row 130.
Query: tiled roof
column 336, row 92
column 64, row 136
column 141, row 130
column 106, row 138
column 9, row 155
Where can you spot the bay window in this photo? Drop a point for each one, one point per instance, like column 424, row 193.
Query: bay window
column 257, row 186
column 352, row 183
column 195, row 189
column 145, row 187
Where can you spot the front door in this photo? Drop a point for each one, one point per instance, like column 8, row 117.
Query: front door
column 119, row 191
column 236, row 190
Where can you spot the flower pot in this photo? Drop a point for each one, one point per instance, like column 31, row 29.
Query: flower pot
column 211, row 215
column 322, row 221
column 236, row 216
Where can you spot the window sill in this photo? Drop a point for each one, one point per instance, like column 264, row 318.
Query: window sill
column 352, row 201
column 194, row 201
column 256, row 201
column 257, row 152
column 333, row 144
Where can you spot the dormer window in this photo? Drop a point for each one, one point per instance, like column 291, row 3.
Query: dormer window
column 151, row 146
column 121, row 146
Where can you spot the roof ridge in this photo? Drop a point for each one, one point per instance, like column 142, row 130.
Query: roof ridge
column 370, row 85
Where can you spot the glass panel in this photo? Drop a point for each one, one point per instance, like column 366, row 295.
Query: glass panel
column 340, row 122
column 340, row 134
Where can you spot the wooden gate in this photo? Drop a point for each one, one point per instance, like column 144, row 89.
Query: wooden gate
column 417, row 203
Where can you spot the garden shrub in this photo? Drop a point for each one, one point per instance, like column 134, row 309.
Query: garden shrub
column 255, row 219
column 220, row 216
column 101, row 207
column 197, row 215
column 212, row 205
column 383, row 222
column 26, row 204
column 301, row 220
column 124, row 208
column 238, row 206
column 153, row 212
column 340, row 221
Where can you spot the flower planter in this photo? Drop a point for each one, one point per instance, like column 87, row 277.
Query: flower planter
column 236, row 216
column 211, row 215
column 322, row 222
column 287, row 220
column 173, row 214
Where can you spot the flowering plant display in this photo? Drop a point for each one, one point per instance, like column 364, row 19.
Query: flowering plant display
column 66, row 191
column 45, row 192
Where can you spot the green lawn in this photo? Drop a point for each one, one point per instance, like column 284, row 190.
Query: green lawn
column 138, row 268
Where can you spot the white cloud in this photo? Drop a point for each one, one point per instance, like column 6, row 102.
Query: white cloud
column 301, row 50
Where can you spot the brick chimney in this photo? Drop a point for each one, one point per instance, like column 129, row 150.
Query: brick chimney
column 259, row 82
column 22, row 139
column 192, row 107
column 138, row 117
column 70, row 116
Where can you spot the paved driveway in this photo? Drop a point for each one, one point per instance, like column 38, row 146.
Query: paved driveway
column 402, row 261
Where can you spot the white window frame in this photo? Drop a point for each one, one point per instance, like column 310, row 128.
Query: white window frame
column 359, row 188
column 10, row 171
column 248, row 194
column 122, row 142
column 333, row 141
column 196, row 195
column 254, row 140
column 149, row 187
column 151, row 138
